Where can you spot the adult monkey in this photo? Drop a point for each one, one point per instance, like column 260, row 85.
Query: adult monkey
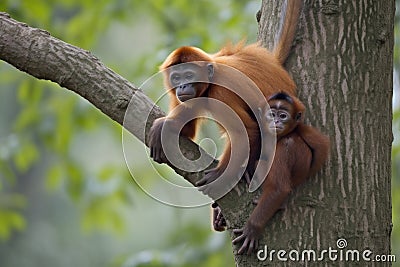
column 263, row 67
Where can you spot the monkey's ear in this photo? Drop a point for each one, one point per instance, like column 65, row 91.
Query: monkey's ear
column 299, row 116
column 210, row 69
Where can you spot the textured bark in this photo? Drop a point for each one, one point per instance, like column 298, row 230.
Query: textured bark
column 342, row 64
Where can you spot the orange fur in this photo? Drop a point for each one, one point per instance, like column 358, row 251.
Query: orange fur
column 255, row 62
column 263, row 67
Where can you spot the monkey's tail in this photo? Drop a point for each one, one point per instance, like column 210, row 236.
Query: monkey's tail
column 287, row 30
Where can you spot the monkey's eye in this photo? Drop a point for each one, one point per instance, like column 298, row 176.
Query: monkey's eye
column 283, row 116
column 175, row 79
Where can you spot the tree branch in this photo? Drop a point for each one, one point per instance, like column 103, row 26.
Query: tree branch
column 37, row 53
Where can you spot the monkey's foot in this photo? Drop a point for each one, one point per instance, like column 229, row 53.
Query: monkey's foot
column 218, row 220
column 249, row 235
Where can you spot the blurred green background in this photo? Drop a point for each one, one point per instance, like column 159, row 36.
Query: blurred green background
column 66, row 196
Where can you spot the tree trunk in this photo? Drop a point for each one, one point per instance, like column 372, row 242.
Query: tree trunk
column 342, row 65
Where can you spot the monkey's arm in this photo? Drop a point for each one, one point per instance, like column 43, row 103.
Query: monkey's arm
column 275, row 190
column 318, row 143
column 238, row 154
column 232, row 167
column 190, row 129
column 155, row 143
column 178, row 122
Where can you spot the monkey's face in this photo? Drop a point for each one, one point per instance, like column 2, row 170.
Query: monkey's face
column 190, row 80
column 278, row 120
column 281, row 118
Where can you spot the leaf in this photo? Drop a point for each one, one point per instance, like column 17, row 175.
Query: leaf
column 30, row 91
column 10, row 221
column 7, row 173
column 54, row 177
column 28, row 116
column 75, row 182
column 107, row 173
column 39, row 9
column 26, row 156
column 23, row 91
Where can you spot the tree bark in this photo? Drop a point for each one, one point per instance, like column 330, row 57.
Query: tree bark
column 342, row 64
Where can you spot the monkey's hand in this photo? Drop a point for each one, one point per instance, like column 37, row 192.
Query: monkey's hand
column 204, row 185
column 249, row 235
column 218, row 220
column 155, row 145
column 225, row 178
column 209, row 176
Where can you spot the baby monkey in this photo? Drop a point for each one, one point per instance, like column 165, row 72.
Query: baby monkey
column 300, row 152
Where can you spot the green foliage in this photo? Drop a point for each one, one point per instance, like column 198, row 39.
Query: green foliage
column 26, row 156
column 54, row 177
column 109, row 196
column 9, row 221
column 10, row 216
column 202, row 252
column 396, row 143
column 397, row 38
column 48, row 120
